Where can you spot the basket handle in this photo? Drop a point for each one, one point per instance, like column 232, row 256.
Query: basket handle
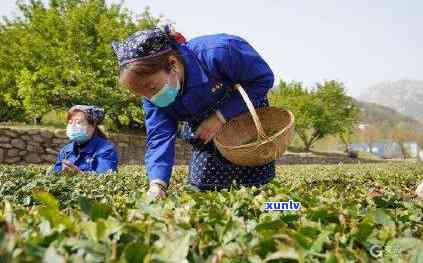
column 250, row 106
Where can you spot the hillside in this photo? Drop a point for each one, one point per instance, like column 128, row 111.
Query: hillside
column 404, row 96
column 375, row 113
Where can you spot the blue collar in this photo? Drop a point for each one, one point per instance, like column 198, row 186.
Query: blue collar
column 194, row 72
column 88, row 148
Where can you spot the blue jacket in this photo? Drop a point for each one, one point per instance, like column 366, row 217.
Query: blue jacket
column 98, row 155
column 213, row 64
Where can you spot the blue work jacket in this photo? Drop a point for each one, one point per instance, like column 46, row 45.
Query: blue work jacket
column 213, row 64
column 98, row 155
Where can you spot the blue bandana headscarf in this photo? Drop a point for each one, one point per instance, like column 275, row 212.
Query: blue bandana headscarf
column 143, row 44
column 95, row 115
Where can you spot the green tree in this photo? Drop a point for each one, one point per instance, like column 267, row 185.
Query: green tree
column 59, row 54
column 402, row 133
column 338, row 114
column 324, row 110
column 346, row 136
column 11, row 61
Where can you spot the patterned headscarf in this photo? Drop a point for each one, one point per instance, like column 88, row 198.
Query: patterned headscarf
column 95, row 115
column 145, row 44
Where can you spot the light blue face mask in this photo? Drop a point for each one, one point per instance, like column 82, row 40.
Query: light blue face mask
column 166, row 95
column 77, row 133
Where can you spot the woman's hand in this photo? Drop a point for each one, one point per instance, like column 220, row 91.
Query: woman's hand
column 209, row 128
column 156, row 191
column 70, row 167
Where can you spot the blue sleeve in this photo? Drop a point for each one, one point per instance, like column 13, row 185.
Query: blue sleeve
column 241, row 64
column 160, row 144
column 107, row 160
column 58, row 165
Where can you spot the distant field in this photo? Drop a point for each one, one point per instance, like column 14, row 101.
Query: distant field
column 349, row 213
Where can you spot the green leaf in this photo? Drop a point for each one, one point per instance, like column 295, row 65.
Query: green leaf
column 45, row 228
column 51, row 256
column 99, row 230
column 95, row 249
column 331, row 259
column 323, row 215
column 303, row 240
column 382, row 218
column 47, row 199
column 90, row 230
column 55, row 218
column 270, row 225
column 94, row 209
column 285, row 252
column 232, row 250
column 135, row 252
column 321, row 239
column 231, row 231
column 365, row 228
column 418, row 258
column 174, row 250
column 383, row 202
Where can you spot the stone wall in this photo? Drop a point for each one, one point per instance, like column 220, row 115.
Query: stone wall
column 41, row 146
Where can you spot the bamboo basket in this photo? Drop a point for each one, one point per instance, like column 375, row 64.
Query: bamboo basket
column 243, row 139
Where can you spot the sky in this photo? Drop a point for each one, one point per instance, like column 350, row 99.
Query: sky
column 360, row 43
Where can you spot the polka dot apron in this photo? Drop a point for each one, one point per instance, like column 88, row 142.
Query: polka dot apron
column 209, row 170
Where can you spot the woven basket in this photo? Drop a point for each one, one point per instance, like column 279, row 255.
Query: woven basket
column 243, row 140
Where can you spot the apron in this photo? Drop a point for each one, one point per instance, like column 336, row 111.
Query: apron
column 208, row 169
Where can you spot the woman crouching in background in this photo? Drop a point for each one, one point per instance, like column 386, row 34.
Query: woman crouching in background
column 89, row 149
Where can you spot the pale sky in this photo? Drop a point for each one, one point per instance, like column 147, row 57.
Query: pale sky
column 358, row 42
